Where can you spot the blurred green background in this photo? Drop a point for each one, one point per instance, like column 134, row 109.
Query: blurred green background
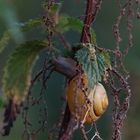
column 13, row 11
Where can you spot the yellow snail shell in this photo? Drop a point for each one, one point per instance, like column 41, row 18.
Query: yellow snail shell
column 90, row 106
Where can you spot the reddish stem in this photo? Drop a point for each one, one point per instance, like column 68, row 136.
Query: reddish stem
column 85, row 38
column 91, row 11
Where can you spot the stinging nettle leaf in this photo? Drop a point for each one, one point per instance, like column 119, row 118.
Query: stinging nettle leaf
column 94, row 68
column 31, row 23
column 89, row 66
column 67, row 23
column 75, row 24
column 4, row 40
column 93, row 37
column 56, row 7
column 62, row 26
column 104, row 59
column 17, row 72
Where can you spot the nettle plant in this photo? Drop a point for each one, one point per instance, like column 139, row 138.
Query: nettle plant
column 84, row 64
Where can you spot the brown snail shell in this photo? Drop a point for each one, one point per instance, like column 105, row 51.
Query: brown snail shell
column 87, row 107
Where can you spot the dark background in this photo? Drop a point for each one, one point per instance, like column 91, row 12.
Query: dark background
column 13, row 11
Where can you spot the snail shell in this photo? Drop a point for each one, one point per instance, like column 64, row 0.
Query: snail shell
column 87, row 107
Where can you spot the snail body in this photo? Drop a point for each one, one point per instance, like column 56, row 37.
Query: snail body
column 87, row 106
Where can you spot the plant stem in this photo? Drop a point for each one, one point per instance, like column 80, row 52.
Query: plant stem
column 92, row 9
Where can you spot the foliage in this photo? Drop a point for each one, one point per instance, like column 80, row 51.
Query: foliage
column 17, row 73
column 4, row 40
column 18, row 69
column 32, row 23
column 19, row 64
column 104, row 63
column 93, row 63
column 67, row 23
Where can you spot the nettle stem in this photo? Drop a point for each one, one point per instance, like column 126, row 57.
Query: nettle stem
column 69, row 68
column 85, row 37
column 92, row 9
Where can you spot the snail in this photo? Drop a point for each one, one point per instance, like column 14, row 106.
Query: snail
column 90, row 106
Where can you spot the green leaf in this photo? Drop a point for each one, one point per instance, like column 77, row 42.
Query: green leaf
column 4, row 40
column 67, row 23
column 94, row 64
column 56, row 7
column 89, row 66
column 103, row 60
column 93, row 37
column 62, row 26
column 31, row 23
column 75, row 24
column 53, row 8
column 17, row 73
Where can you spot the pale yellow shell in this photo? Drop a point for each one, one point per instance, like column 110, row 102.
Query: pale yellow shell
column 91, row 110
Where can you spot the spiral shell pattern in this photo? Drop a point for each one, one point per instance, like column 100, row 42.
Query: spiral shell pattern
column 86, row 106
